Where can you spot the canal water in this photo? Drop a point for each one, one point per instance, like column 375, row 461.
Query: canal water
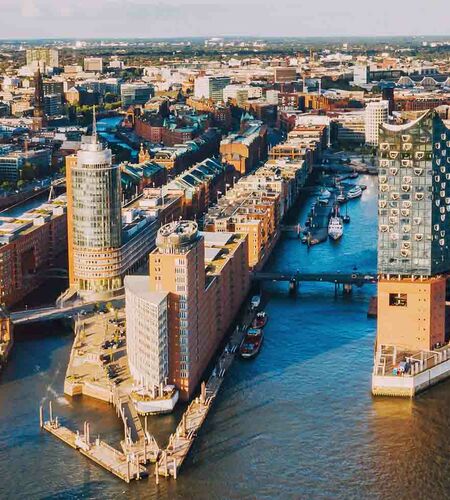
column 296, row 422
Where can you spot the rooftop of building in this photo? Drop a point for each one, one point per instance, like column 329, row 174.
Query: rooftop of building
column 12, row 228
column 177, row 235
column 219, row 249
column 246, row 136
column 139, row 286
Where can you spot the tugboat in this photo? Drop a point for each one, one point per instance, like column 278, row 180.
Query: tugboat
column 251, row 344
column 260, row 320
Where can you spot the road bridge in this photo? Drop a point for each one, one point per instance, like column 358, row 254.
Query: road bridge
column 347, row 280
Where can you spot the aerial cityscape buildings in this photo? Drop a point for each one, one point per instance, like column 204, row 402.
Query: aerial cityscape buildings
column 178, row 204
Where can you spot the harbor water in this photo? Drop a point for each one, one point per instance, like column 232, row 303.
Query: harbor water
column 298, row 421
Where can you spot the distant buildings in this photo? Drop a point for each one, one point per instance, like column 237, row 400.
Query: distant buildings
column 361, row 74
column 285, row 74
column 16, row 165
column 46, row 56
column 350, row 128
column 246, row 149
column 377, row 113
column 211, row 87
column 94, row 64
column 135, row 93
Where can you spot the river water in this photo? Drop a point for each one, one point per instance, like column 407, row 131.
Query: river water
column 297, row 422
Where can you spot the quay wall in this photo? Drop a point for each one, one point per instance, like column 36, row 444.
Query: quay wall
column 409, row 386
column 87, row 389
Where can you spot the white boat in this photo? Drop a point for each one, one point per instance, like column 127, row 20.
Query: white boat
column 354, row 192
column 335, row 228
column 324, row 197
column 256, row 300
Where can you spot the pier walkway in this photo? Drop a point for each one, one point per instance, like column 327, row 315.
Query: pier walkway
column 181, row 441
column 124, row 466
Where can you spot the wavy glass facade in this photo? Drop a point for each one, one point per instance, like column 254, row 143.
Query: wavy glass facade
column 414, row 198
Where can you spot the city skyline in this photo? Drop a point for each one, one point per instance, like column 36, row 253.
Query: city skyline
column 203, row 18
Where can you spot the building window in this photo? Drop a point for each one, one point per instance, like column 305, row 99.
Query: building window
column 398, row 299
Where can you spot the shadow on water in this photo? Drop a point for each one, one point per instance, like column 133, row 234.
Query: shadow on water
column 297, row 422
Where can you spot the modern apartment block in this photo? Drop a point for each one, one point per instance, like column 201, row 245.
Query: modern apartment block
column 13, row 163
column 147, row 340
column 197, row 284
column 377, row 113
column 414, row 239
column 211, row 87
column 136, row 93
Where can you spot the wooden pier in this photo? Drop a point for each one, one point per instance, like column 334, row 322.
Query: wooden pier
column 181, row 441
column 125, row 466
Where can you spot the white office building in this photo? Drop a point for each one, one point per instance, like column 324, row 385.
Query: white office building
column 210, row 87
column 376, row 114
column 147, row 335
column 148, row 346
column 361, row 74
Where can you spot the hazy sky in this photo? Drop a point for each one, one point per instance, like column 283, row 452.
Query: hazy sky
column 168, row 18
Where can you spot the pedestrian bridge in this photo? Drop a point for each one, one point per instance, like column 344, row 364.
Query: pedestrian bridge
column 49, row 313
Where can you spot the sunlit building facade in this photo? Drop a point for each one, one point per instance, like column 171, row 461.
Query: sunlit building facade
column 414, row 236
column 94, row 219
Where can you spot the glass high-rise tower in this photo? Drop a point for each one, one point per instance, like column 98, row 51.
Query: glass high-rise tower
column 94, row 219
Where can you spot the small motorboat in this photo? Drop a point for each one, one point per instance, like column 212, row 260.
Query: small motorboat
column 251, row 343
column 256, row 300
column 341, row 198
column 323, row 200
column 260, row 320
